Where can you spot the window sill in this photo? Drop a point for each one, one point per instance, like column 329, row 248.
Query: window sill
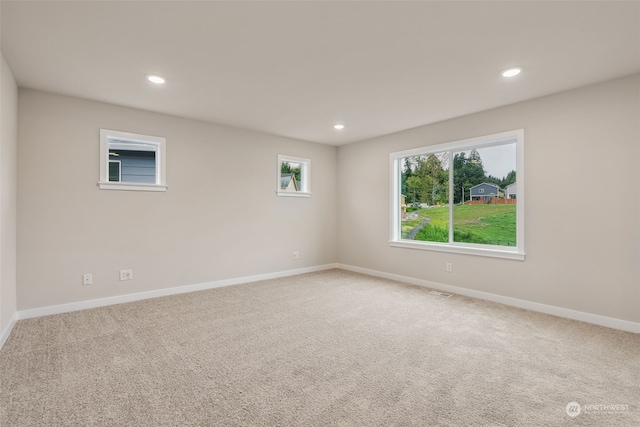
column 458, row 249
column 292, row 194
column 125, row 186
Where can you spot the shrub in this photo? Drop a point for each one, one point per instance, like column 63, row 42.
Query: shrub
column 433, row 233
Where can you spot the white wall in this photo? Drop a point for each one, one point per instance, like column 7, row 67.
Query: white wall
column 219, row 219
column 8, row 174
column 582, row 203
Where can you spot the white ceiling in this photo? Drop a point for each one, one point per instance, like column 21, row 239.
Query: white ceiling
column 297, row 68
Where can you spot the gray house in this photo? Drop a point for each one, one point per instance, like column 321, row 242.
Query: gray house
column 288, row 182
column 132, row 166
column 484, row 191
column 510, row 191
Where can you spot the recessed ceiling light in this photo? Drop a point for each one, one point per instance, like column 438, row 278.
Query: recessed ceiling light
column 512, row 72
column 338, row 127
column 154, row 78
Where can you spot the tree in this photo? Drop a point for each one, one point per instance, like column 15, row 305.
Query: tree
column 424, row 180
column 407, row 173
column 467, row 172
column 286, row 167
column 433, row 177
column 414, row 189
column 509, row 179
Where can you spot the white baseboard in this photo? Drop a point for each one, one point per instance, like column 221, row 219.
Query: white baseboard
column 119, row 299
column 623, row 325
column 8, row 329
column 609, row 322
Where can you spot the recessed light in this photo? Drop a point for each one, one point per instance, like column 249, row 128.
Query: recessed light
column 512, row 72
column 154, row 78
column 338, row 127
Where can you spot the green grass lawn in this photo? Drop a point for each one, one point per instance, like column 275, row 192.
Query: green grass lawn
column 484, row 224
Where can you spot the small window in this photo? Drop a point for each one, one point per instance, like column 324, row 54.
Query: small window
column 130, row 161
column 293, row 177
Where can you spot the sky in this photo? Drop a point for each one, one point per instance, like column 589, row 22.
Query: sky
column 498, row 160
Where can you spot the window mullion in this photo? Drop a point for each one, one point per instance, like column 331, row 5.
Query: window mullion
column 450, row 155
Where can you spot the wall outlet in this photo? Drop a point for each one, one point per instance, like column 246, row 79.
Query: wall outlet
column 296, row 255
column 87, row 279
column 126, row 274
column 449, row 267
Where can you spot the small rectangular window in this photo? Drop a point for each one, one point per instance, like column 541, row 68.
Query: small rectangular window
column 131, row 161
column 294, row 175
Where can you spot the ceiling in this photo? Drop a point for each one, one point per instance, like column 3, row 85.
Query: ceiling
column 296, row 68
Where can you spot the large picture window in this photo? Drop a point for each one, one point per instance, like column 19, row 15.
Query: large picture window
column 463, row 196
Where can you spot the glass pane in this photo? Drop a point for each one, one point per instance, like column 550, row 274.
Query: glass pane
column 425, row 197
column 291, row 176
column 485, row 195
column 114, row 171
column 136, row 166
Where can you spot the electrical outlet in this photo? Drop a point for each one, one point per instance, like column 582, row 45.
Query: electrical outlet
column 126, row 274
column 449, row 267
column 296, row 255
column 87, row 279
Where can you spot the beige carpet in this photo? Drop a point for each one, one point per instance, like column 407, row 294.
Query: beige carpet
column 328, row 348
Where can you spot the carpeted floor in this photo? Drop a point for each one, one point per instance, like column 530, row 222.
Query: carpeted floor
column 328, row 348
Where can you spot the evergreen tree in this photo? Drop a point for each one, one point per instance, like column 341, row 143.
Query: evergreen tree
column 286, row 168
column 467, row 172
column 407, row 173
column 509, row 179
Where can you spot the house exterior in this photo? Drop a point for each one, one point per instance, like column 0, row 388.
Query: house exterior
column 288, row 182
column 132, row 166
column 510, row 191
column 484, row 191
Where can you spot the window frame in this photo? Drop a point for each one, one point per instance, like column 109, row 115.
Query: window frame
column 305, row 177
column 517, row 252
column 158, row 145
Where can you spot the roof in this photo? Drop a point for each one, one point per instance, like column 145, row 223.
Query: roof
column 486, row 183
column 285, row 180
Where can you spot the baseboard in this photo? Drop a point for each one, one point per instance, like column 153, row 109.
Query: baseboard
column 8, row 329
column 609, row 322
column 83, row 305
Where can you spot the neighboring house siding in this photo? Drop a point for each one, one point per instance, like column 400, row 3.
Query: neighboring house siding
column 484, row 191
column 136, row 166
column 510, row 191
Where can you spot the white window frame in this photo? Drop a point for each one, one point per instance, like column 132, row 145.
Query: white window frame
column 305, row 177
column 132, row 141
column 517, row 252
